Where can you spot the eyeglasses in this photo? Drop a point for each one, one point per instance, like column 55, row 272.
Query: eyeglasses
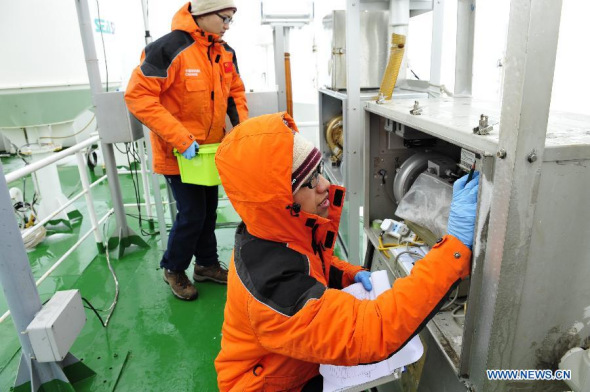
column 226, row 19
column 314, row 180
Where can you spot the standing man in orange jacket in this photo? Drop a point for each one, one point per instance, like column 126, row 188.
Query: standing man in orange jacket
column 285, row 313
column 186, row 83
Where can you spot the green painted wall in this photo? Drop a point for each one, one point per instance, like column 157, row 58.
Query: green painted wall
column 21, row 109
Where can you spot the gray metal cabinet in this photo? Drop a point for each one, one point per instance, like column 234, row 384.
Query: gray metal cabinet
column 522, row 312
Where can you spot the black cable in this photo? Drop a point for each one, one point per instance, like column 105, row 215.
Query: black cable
column 413, row 73
column 94, row 310
column 135, row 177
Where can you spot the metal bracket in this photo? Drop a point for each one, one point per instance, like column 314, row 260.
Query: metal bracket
column 416, row 110
column 483, row 127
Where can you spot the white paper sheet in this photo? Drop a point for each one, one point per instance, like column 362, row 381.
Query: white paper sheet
column 337, row 378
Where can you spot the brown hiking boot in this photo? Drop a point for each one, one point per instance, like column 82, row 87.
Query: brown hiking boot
column 180, row 284
column 215, row 273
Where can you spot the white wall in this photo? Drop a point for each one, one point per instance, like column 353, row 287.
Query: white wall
column 41, row 44
column 42, row 47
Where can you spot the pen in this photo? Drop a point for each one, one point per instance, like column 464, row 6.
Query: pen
column 470, row 175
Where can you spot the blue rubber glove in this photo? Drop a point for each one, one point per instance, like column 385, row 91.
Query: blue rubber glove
column 364, row 277
column 463, row 207
column 191, row 151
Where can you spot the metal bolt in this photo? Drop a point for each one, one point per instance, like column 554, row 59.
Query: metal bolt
column 532, row 157
column 457, row 255
column 501, row 153
column 483, row 121
column 416, row 110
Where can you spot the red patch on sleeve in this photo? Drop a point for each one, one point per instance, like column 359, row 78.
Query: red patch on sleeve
column 228, row 67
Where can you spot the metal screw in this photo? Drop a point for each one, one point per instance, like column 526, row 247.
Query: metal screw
column 416, row 110
column 501, row 153
column 532, row 157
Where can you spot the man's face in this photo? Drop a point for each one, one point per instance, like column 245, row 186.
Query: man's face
column 216, row 22
column 314, row 200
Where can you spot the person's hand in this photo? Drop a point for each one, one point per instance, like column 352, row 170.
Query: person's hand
column 364, row 277
column 463, row 207
column 191, row 151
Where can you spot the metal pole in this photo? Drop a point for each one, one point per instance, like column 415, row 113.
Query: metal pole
column 438, row 17
column 464, row 55
column 21, row 294
column 279, row 50
column 157, row 194
column 146, row 186
column 89, row 204
column 354, row 131
column 148, row 148
column 123, row 236
column 142, row 146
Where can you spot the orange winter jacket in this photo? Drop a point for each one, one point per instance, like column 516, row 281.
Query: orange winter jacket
column 186, row 83
column 284, row 313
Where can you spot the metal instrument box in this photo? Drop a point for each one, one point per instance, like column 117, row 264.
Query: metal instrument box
column 115, row 123
column 538, row 291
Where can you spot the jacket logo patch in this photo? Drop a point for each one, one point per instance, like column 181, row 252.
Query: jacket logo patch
column 228, row 67
column 192, row 72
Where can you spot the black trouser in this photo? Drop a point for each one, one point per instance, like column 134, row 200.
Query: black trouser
column 316, row 384
column 193, row 231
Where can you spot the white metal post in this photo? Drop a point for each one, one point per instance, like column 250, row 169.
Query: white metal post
column 89, row 204
column 279, row 52
column 438, row 17
column 464, row 54
column 146, row 186
column 123, row 235
column 353, row 140
column 157, row 194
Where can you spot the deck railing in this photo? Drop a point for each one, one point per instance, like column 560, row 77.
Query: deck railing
column 86, row 187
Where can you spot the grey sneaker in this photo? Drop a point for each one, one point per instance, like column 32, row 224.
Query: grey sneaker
column 214, row 273
column 180, row 284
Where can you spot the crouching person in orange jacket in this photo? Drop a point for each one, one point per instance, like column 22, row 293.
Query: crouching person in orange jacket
column 285, row 313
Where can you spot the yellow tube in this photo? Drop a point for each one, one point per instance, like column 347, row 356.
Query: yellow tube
column 398, row 43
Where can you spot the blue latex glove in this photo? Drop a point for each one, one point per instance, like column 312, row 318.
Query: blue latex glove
column 191, row 151
column 462, row 215
column 364, row 277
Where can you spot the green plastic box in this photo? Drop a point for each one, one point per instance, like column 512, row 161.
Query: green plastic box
column 200, row 170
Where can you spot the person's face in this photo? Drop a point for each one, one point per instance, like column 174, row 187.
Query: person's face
column 314, row 200
column 217, row 22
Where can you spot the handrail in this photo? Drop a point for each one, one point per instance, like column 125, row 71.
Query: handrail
column 34, row 166
column 31, row 168
column 63, row 207
column 61, row 259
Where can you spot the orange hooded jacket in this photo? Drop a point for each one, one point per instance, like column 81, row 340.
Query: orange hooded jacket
column 284, row 314
column 186, row 83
